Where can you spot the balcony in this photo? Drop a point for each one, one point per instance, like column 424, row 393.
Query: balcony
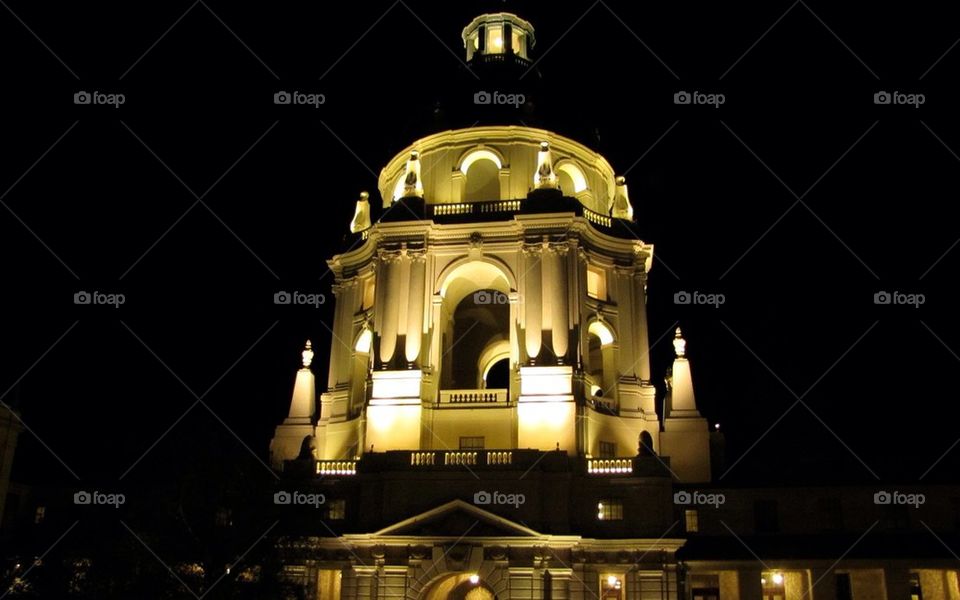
column 461, row 398
column 505, row 459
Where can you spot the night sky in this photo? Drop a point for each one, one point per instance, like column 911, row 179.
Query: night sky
column 798, row 199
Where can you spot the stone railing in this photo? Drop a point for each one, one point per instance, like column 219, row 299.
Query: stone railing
column 597, row 218
column 431, row 458
column 474, row 208
column 490, row 396
column 336, row 467
column 609, row 466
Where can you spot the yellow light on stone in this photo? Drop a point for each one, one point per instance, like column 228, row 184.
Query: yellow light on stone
column 778, row 578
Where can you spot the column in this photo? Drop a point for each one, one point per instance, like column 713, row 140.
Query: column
column 390, row 308
column 555, row 288
column 532, row 301
column 414, row 337
column 642, row 331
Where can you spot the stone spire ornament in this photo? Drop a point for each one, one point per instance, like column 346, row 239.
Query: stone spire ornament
column 412, row 186
column 545, row 177
column 679, row 344
column 361, row 216
column 307, row 355
column 622, row 209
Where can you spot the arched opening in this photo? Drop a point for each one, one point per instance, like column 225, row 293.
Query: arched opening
column 482, row 181
column 474, row 323
column 360, row 371
column 601, row 364
column 572, row 179
column 479, row 319
column 461, row 586
column 498, row 375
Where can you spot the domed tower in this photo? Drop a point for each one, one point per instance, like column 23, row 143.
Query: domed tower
column 500, row 39
column 497, row 304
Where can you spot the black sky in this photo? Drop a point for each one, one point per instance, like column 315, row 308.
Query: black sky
column 798, row 199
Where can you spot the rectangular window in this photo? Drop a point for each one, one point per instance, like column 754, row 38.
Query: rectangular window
column 471, row 443
column 494, row 39
column 915, row 592
column 844, row 589
column 765, row 518
column 40, row 514
column 691, row 520
column 608, row 450
column 609, row 509
column 596, row 283
column 706, row 593
column 336, row 510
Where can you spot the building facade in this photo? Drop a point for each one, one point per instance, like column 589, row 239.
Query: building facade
column 488, row 423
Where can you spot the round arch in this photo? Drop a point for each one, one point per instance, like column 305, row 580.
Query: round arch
column 363, row 341
column 496, row 351
column 483, row 270
column 574, row 172
column 459, row 586
column 480, row 153
column 603, row 331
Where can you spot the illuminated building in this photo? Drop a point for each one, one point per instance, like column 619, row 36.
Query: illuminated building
column 489, row 425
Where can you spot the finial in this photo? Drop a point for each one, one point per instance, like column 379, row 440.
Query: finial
column 545, row 177
column 412, row 186
column 361, row 216
column 307, row 355
column 621, row 209
column 679, row 344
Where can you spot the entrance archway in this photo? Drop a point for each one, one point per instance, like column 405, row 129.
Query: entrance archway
column 461, row 586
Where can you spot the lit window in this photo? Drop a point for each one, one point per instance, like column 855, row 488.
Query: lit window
column 596, row 283
column 494, row 39
column 518, row 42
column 610, row 510
column 369, row 293
column 691, row 520
column 336, row 510
column 40, row 514
column 915, row 592
column 611, row 586
column 471, row 443
column 608, row 450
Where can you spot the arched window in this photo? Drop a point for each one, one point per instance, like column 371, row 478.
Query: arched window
column 481, row 170
column 601, row 362
column 572, row 180
column 361, row 368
